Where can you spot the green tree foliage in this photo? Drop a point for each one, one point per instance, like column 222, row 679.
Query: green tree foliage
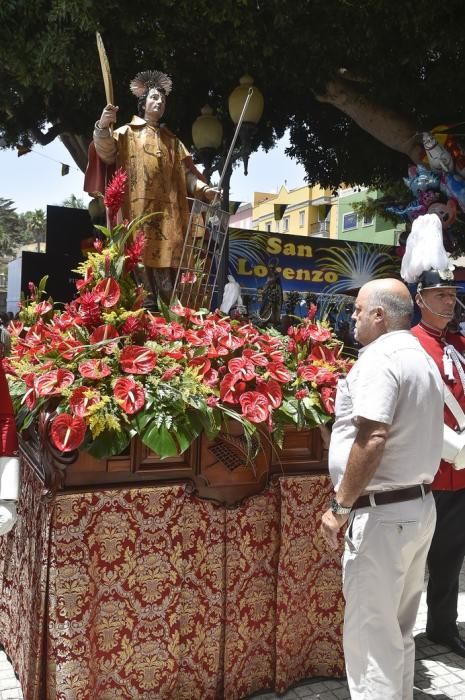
column 74, row 202
column 407, row 59
column 13, row 229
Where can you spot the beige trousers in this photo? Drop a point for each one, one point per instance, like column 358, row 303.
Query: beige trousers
column 383, row 574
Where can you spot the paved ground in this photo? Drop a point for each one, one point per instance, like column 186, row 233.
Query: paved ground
column 439, row 674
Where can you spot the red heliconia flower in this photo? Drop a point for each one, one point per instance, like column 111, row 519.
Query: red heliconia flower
column 104, row 334
column 82, row 399
column 89, row 309
column 134, row 250
column 129, row 395
column 231, row 389
column 15, row 328
column 114, row 193
column 109, row 292
column 272, row 390
column 255, row 406
column 311, row 313
column 67, row 432
column 137, row 359
column 94, row 369
column 132, row 325
column 32, row 289
column 279, row 372
column 188, row 277
column 43, row 308
column 52, row 383
column 328, row 395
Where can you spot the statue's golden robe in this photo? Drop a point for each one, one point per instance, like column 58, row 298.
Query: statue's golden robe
column 158, row 166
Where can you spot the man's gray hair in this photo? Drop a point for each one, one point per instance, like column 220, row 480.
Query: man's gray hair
column 398, row 308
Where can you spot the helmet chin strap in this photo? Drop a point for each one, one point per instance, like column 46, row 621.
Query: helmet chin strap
column 436, row 313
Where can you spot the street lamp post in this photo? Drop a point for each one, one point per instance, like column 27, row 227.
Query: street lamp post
column 207, row 137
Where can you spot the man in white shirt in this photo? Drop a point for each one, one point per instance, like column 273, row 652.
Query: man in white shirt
column 385, row 450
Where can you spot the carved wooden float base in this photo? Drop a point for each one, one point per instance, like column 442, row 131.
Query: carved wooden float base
column 217, row 469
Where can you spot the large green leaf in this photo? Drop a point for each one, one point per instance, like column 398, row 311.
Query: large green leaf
column 109, row 443
column 160, row 441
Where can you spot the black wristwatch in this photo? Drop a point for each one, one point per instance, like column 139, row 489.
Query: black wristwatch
column 337, row 509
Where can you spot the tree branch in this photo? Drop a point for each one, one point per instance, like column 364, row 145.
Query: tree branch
column 389, row 127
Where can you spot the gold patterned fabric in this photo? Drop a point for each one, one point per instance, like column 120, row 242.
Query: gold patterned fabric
column 150, row 593
column 153, row 159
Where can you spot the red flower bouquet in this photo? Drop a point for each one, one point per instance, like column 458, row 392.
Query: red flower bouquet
column 109, row 369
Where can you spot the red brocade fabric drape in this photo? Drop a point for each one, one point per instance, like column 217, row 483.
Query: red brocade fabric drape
column 150, row 593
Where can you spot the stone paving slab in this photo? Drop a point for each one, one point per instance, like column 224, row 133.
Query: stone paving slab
column 439, row 673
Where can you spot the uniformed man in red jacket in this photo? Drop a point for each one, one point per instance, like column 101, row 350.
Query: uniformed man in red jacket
column 436, row 299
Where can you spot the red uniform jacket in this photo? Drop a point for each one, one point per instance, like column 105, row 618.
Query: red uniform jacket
column 434, row 341
column 8, row 439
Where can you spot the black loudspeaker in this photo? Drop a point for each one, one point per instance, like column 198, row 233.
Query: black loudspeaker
column 61, row 283
column 66, row 228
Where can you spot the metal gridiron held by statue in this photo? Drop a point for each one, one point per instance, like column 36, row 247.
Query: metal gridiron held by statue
column 197, row 274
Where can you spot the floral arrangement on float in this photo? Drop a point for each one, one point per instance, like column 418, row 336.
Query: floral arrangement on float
column 107, row 369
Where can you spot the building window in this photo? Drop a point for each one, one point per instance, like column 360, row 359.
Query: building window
column 268, row 226
column 349, row 221
column 286, row 224
column 301, row 218
column 367, row 220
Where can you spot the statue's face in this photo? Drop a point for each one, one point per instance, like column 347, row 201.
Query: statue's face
column 154, row 106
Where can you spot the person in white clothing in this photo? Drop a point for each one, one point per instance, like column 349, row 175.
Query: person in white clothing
column 384, row 452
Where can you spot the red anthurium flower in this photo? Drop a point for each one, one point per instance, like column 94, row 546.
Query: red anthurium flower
column 176, row 354
column 69, row 348
column 258, row 358
column 30, row 396
column 279, row 372
column 171, row 373
column 87, row 278
column 137, row 359
column 52, row 383
column 129, row 395
column 211, row 377
column 325, row 377
column 106, row 332
column 242, row 368
column 328, row 395
column 82, row 399
column 255, row 406
column 319, row 335
column 109, row 292
column 94, row 369
column 231, row 389
column 272, row 391
column 308, row 372
column 67, row 432
column 203, row 364
column 188, row 277
column 231, row 342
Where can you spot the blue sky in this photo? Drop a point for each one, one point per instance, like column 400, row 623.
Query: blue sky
column 34, row 180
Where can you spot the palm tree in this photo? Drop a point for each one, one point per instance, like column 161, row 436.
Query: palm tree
column 35, row 223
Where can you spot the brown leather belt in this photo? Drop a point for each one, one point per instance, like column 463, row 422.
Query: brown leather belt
column 382, row 498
